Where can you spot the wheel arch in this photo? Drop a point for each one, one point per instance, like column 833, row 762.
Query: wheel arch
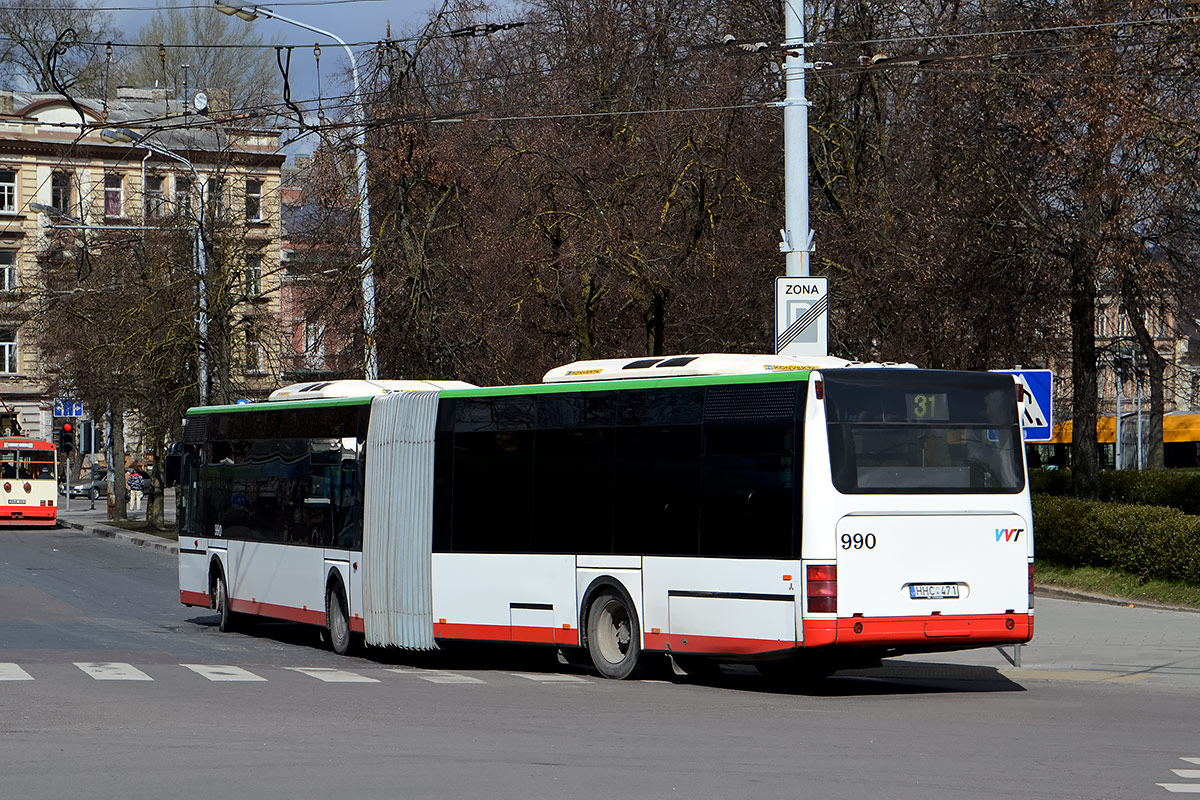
column 334, row 578
column 215, row 568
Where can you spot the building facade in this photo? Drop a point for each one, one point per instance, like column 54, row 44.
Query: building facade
column 80, row 169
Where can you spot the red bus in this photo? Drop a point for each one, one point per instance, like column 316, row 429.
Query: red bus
column 28, row 482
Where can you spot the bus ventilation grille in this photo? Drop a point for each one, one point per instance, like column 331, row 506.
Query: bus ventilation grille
column 196, row 430
column 750, row 402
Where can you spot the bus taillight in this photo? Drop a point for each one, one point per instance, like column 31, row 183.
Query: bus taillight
column 822, row 588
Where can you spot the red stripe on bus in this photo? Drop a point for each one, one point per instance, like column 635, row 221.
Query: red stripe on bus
column 715, row 645
column 506, row 633
column 307, row 615
column 194, row 598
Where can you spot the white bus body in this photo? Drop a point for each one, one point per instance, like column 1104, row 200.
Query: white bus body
column 877, row 564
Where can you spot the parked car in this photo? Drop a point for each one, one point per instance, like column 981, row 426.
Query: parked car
column 94, row 487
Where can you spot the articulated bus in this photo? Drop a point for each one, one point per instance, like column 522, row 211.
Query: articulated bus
column 28, row 482
column 802, row 515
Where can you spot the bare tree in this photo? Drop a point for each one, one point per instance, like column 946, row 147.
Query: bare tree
column 219, row 51
column 34, row 34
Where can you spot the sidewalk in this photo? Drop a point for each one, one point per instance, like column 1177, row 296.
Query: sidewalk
column 95, row 522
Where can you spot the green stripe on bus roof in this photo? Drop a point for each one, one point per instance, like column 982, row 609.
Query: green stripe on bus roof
column 531, row 388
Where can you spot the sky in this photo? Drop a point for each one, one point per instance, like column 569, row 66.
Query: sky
column 359, row 22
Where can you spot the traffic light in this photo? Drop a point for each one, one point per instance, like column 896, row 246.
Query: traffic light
column 67, row 445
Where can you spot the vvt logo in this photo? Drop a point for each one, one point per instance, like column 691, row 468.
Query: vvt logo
column 1009, row 534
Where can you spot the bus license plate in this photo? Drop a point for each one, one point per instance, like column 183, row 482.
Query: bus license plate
column 932, row 591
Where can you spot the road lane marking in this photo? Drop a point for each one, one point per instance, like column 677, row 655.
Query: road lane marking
column 1186, row 773
column 549, row 677
column 330, row 675
column 1181, row 788
column 223, row 672
column 436, row 675
column 1190, row 759
column 112, row 671
column 11, row 672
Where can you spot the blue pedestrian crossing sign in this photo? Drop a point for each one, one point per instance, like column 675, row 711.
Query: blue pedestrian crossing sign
column 1037, row 411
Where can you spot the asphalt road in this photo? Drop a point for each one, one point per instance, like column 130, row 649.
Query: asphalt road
column 111, row 689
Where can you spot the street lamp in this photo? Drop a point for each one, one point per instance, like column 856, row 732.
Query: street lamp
column 199, row 258
column 249, row 13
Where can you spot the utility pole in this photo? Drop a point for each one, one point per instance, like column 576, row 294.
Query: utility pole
column 801, row 301
column 797, row 238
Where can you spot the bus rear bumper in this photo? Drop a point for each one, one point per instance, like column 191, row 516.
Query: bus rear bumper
column 33, row 515
column 953, row 631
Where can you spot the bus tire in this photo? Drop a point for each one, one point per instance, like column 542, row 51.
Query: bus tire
column 337, row 619
column 228, row 618
column 613, row 635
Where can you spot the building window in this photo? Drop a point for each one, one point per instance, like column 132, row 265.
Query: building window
column 253, row 201
column 8, row 270
column 216, row 198
column 314, row 345
column 8, row 191
column 155, row 196
column 253, row 275
column 8, row 350
column 113, row 186
column 253, row 353
column 183, row 194
column 60, row 192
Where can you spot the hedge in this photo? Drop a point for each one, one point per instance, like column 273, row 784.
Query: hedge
column 1178, row 489
column 1144, row 540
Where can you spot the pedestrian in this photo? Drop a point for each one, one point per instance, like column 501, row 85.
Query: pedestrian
column 135, row 490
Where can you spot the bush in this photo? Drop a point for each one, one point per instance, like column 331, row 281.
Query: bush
column 1176, row 489
column 1144, row 540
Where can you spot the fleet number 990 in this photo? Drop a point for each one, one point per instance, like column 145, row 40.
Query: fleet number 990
column 858, row 541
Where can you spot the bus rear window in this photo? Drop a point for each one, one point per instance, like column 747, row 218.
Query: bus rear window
column 923, row 432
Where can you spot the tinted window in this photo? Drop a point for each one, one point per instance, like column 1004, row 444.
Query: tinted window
column 291, row 489
column 493, row 491
column 912, row 431
column 749, row 481
column 573, row 491
column 657, row 492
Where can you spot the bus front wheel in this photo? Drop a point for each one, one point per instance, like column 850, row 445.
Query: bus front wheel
column 337, row 619
column 614, row 639
column 228, row 620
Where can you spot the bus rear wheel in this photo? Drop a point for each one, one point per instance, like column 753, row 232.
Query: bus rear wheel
column 337, row 619
column 614, row 639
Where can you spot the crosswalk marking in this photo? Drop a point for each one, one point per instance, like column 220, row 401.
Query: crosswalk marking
column 549, row 677
column 11, row 672
column 223, row 672
column 437, row 675
column 112, row 671
column 331, row 675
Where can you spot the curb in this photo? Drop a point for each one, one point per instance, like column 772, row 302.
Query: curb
column 129, row 537
column 1060, row 593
